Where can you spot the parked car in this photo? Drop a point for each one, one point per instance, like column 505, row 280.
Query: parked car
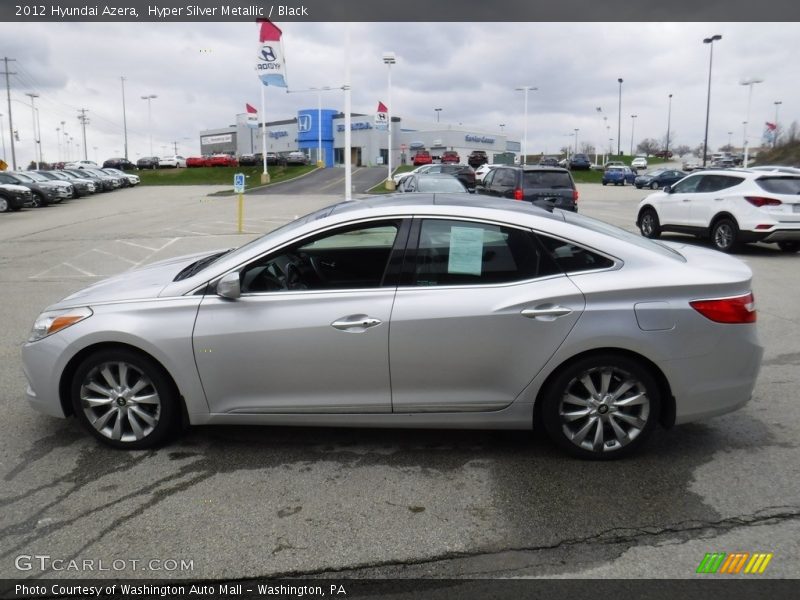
column 42, row 194
column 778, row 168
column 432, row 183
column 222, row 160
column 729, row 206
column 122, row 164
column 147, row 162
column 574, row 303
column 116, row 181
column 80, row 182
column 689, row 165
column 102, row 183
column 172, row 162
column 659, row 178
column 14, row 197
column 129, row 179
column 79, row 187
column 463, row 173
column 579, row 162
column 549, row 161
column 296, row 158
column 477, row 158
column 451, row 157
column 663, row 154
column 81, row 164
column 619, row 175
column 272, row 158
column 613, row 163
column 639, row 162
column 63, row 189
column 481, row 171
column 545, row 187
column 197, row 161
column 422, row 157
column 249, row 160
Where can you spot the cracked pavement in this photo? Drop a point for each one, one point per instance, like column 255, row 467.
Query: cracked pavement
column 248, row 502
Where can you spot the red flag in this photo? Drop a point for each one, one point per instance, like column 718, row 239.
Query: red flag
column 771, row 126
column 269, row 32
column 251, row 109
column 382, row 107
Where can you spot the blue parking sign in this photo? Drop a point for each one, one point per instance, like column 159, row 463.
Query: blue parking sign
column 238, row 183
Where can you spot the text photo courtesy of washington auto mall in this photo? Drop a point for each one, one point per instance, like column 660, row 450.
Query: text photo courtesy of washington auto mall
column 344, row 299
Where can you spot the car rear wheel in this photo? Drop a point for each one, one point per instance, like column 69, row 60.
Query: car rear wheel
column 124, row 399
column 724, row 234
column 3, row 204
column 789, row 246
column 601, row 407
column 654, row 186
column 649, row 224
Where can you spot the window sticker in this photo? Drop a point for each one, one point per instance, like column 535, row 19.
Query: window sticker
column 466, row 250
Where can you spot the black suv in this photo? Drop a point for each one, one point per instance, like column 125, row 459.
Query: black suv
column 546, row 187
column 477, row 158
column 123, row 164
column 580, row 161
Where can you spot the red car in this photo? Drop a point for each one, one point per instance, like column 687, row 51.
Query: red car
column 197, row 161
column 222, row 160
column 423, row 157
column 451, row 157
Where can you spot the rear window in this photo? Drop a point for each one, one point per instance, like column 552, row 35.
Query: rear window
column 546, row 179
column 779, row 185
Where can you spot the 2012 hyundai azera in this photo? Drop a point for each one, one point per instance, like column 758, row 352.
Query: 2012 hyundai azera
column 423, row 311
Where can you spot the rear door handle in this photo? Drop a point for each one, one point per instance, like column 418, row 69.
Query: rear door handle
column 355, row 323
column 546, row 312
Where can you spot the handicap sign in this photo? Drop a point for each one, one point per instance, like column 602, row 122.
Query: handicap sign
column 238, row 183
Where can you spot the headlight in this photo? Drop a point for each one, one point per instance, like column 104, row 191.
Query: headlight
column 50, row 322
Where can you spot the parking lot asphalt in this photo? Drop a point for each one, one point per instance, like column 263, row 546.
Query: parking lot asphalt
column 243, row 502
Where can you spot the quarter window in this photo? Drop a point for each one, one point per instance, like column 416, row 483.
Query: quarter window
column 573, row 258
column 465, row 253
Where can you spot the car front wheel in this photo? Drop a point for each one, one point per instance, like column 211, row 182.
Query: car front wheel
column 124, row 399
column 654, row 186
column 601, row 407
column 724, row 234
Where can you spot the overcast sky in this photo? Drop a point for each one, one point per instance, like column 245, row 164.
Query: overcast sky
column 203, row 75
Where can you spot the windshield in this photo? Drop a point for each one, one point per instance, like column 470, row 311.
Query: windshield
column 37, row 177
column 24, row 178
column 621, row 234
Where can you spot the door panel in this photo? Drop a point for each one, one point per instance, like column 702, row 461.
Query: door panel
column 674, row 208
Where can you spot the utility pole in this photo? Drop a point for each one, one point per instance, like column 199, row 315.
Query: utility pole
column 84, row 120
column 124, row 118
column 10, row 122
column 37, row 159
column 175, row 146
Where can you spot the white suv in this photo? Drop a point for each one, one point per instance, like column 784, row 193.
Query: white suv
column 730, row 206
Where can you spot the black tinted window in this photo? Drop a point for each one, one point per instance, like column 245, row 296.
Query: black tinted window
column 572, row 257
column 504, row 177
column 780, row 185
column 462, row 253
column 714, row 183
column 546, row 179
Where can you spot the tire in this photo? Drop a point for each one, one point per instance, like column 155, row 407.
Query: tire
column 4, row 206
column 37, row 201
column 605, row 183
column 724, row 234
column 109, row 379
column 649, row 225
column 654, row 186
column 790, row 247
column 601, row 407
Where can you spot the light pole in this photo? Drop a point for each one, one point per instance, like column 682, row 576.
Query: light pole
column 576, row 140
column 710, row 41
column 124, row 118
column 730, row 139
column 669, row 117
column 438, row 111
column 37, row 156
column 389, row 59
column 744, row 135
column 619, row 118
column 749, row 83
column 525, row 89
column 150, row 97
column 3, row 136
column 58, row 144
column 633, row 120
column 777, row 103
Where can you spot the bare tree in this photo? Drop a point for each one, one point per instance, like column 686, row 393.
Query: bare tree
column 727, row 148
column 792, row 133
column 587, row 148
column 698, row 151
column 648, row 146
column 681, row 150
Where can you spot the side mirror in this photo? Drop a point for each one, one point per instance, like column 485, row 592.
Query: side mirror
column 667, row 189
column 229, row 287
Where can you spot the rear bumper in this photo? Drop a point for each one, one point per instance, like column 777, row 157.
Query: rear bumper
column 780, row 233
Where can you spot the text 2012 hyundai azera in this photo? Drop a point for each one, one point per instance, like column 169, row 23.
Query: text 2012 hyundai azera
column 409, row 311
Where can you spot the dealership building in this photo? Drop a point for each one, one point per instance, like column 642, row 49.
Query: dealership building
column 319, row 133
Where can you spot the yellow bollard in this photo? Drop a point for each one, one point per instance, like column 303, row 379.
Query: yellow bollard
column 241, row 211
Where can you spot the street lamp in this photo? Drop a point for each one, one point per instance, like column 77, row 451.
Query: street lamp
column 576, row 140
column 502, row 126
column 669, row 116
column 389, row 59
column 619, row 118
column 124, row 119
column 777, row 103
column 37, row 157
column 438, row 112
column 730, row 139
column 525, row 89
column 633, row 120
column 150, row 97
column 749, row 83
column 710, row 41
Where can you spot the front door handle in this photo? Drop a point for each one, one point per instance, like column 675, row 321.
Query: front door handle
column 355, row 323
column 547, row 312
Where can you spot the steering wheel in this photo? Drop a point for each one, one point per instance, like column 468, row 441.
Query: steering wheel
column 294, row 278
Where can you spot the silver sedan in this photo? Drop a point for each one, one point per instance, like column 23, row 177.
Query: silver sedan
column 410, row 310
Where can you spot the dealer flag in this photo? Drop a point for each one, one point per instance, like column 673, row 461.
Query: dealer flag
column 382, row 116
column 271, row 62
column 252, row 116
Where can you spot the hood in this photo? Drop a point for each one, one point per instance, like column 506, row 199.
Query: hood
column 139, row 284
column 13, row 187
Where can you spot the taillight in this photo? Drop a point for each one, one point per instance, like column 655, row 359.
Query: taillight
column 740, row 309
column 575, row 195
column 758, row 201
column 518, row 194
